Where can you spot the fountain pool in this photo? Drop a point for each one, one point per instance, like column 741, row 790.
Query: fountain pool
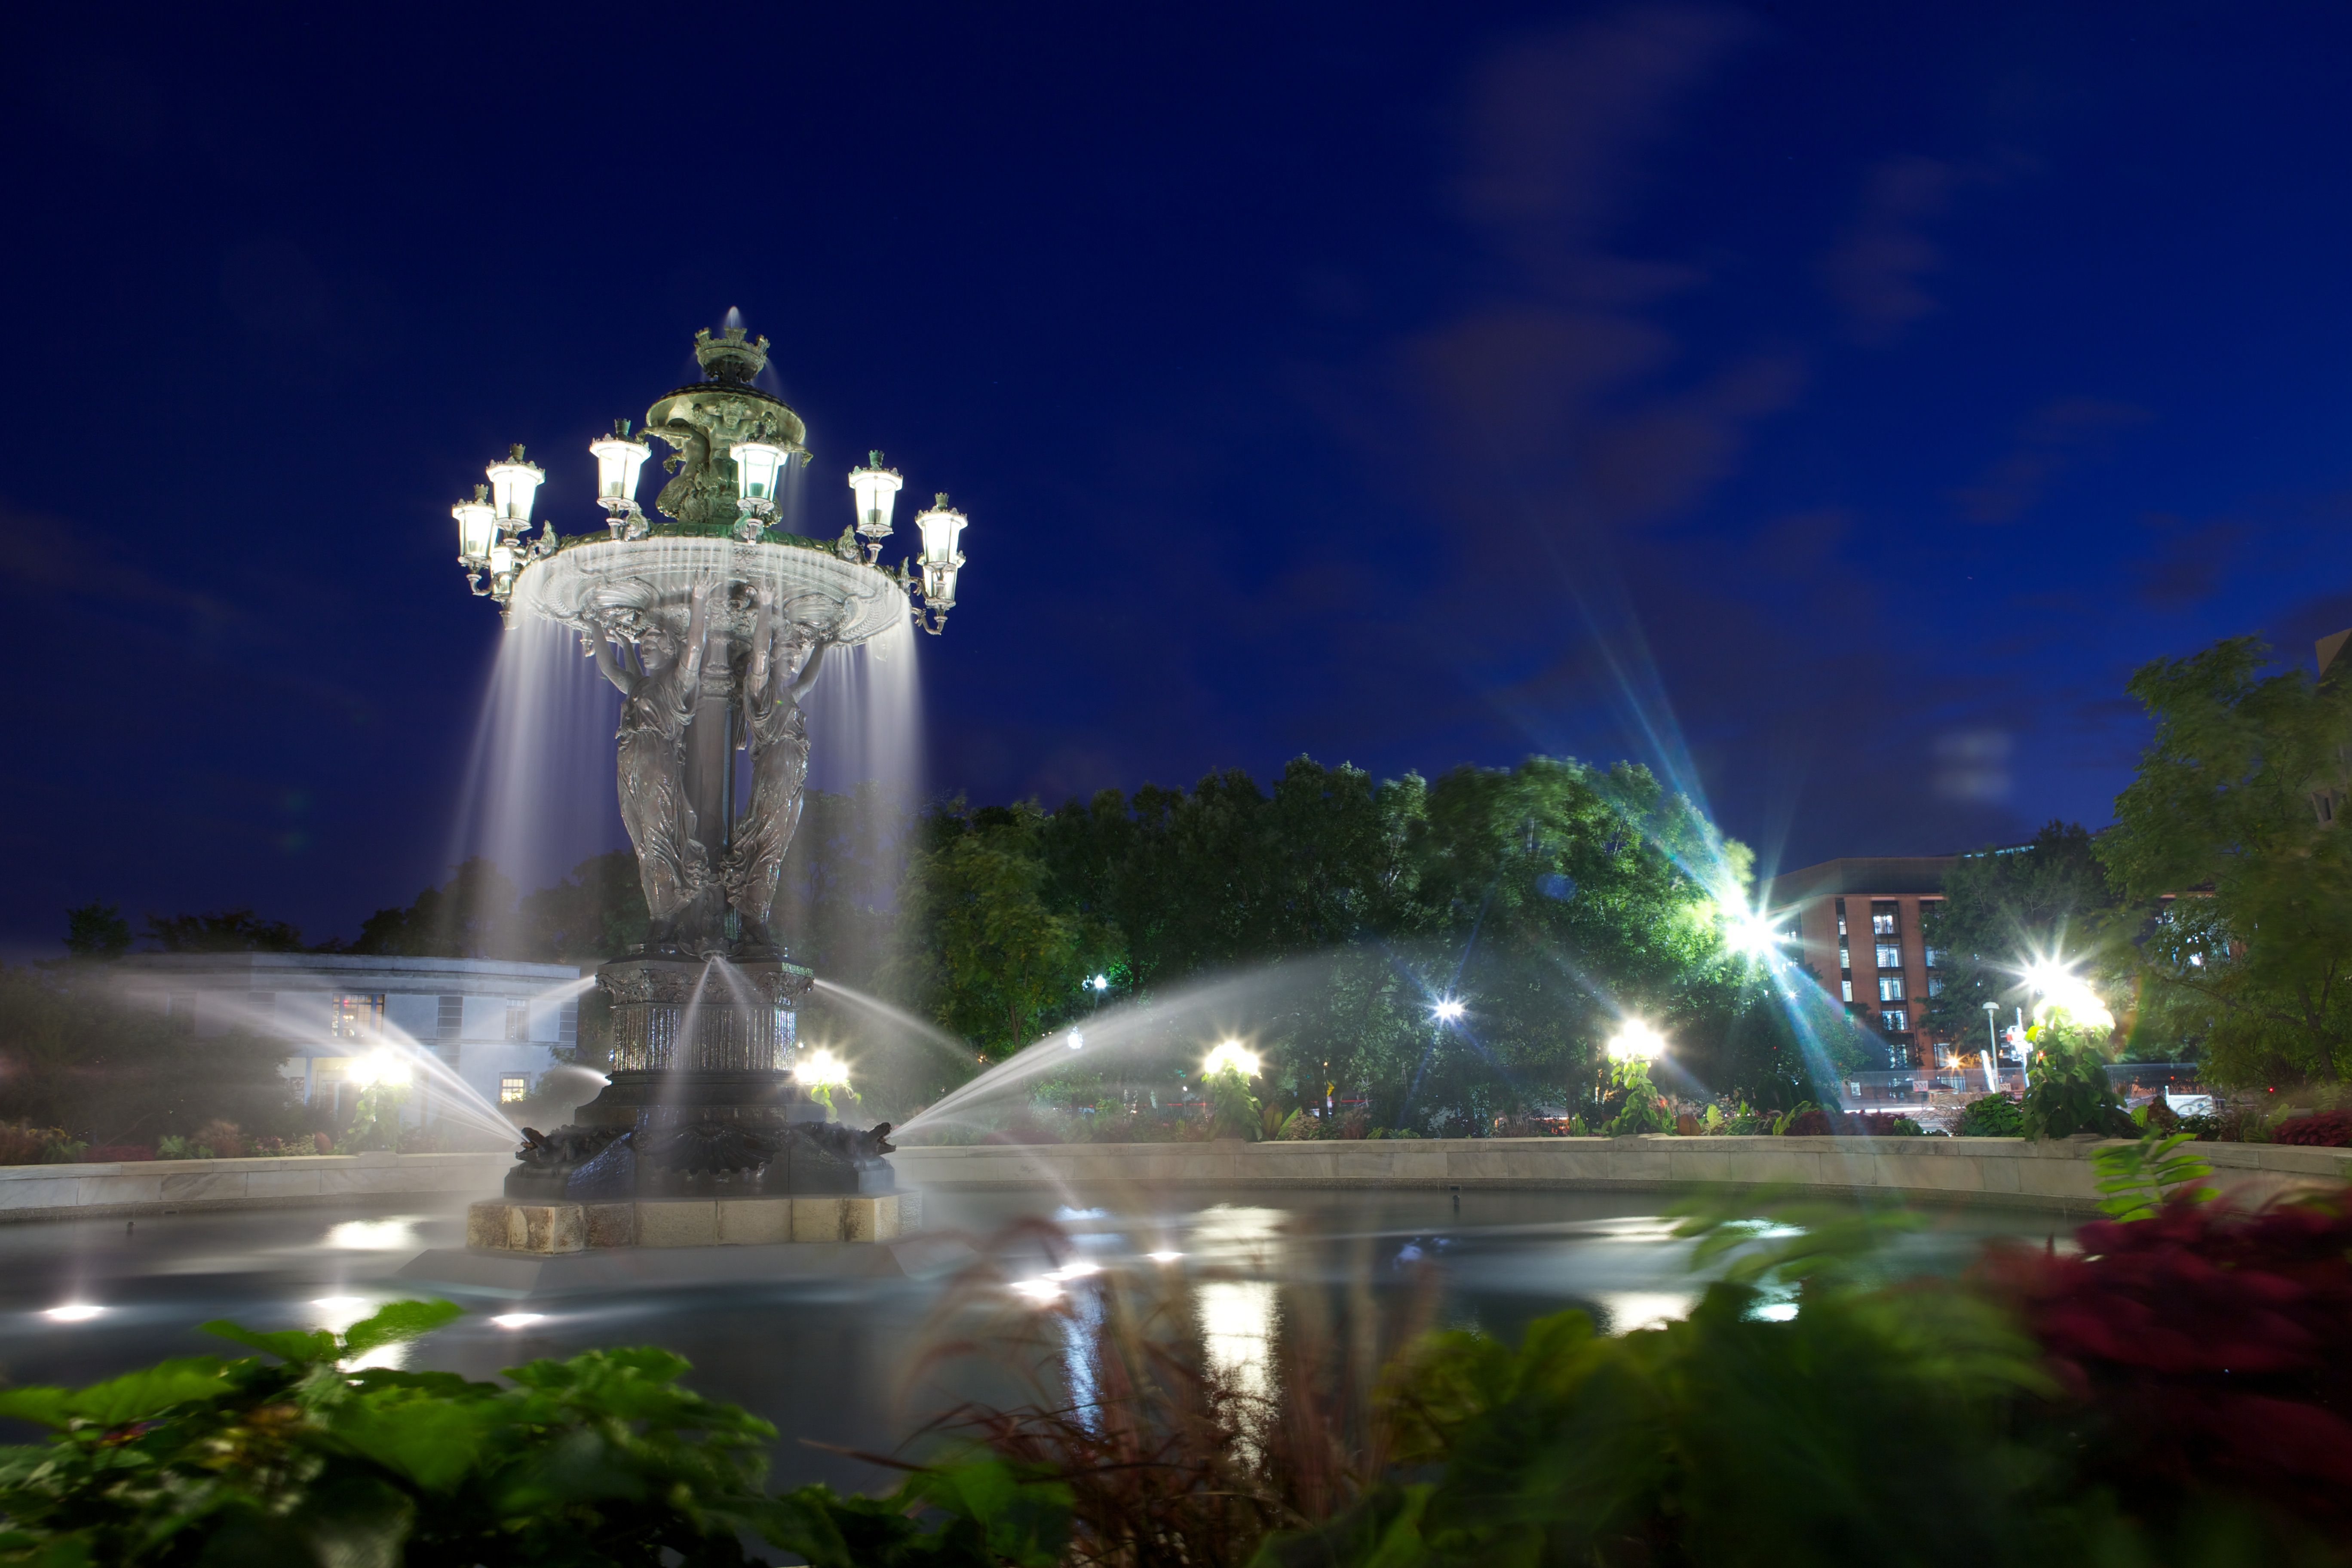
column 826, row 1359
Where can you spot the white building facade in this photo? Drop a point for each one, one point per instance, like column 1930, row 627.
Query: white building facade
column 497, row 1024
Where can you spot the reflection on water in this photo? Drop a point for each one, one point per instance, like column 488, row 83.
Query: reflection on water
column 829, row 1361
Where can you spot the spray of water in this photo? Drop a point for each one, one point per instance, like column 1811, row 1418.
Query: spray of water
column 538, row 796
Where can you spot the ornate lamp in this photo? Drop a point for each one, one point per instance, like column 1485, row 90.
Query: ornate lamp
column 876, row 488
column 942, row 526
column 759, row 468
column 478, row 528
column 512, row 485
column 618, row 459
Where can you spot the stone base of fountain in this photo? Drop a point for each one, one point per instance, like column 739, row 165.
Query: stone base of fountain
column 698, row 1139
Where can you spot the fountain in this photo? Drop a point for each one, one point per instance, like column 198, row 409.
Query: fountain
column 713, row 625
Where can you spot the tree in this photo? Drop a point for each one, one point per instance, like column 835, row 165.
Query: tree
column 97, row 931
column 471, row 916
column 223, row 930
column 2228, row 846
column 2005, row 908
column 978, row 945
column 597, row 912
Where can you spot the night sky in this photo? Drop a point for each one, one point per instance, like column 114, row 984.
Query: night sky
column 1829, row 406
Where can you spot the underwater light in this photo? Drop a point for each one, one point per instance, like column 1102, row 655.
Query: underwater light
column 73, row 1312
column 1163, row 1256
column 518, row 1319
column 1039, row 1291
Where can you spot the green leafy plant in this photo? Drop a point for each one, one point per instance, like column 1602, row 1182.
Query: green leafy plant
column 2139, row 1178
column 2070, row 1092
column 1232, row 1109
column 1644, row 1112
column 601, row 1460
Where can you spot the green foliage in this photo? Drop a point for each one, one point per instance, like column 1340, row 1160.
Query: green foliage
column 1232, row 1109
column 471, row 916
column 222, row 930
column 1991, row 1116
column 2238, row 791
column 2070, row 1092
column 601, row 1460
column 97, row 931
column 1642, row 1113
column 2003, row 907
column 78, row 1059
column 2139, row 1178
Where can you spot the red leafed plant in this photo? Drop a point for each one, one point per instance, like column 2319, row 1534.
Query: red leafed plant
column 2321, row 1129
column 2207, row 1346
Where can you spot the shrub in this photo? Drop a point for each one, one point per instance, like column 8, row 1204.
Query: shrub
column 223, row 1138
column 1886, row 1124
column 2322, row 1129
column 2070, row 1092
column 1806, row 1122
column 595, row 1462
column 1232, row 1107
column 119, row 1151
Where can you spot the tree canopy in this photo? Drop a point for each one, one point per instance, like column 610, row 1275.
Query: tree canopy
column 2004, row 908
column 2228, row 847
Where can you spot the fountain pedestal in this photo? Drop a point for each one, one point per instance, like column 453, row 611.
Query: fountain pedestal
column 700, row 1138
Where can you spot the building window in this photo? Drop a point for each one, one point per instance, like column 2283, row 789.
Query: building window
column 1935, row 958
column 1845, row 957
column 1890, row 988
column 568, row 1027
column 512, row 1087
column 1935, row 985
column 1890, row 955
column 1893, row 1020
column 518, row 1020
column 1881, row 919
column 1846, row 988
column 355, row 1017
column 1841, row 914
column 452, row 1020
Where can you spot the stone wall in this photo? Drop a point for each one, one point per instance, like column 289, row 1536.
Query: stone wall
column 2008, row 1172
column 163, row 1186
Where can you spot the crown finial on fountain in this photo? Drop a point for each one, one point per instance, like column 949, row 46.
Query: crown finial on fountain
column 727, row 356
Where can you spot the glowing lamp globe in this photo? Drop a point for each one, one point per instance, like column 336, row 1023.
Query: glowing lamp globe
column 942, row 528
column 877, row 489
column 758, row 466
column 478, row 528
column 513, row 483
column 618, row 459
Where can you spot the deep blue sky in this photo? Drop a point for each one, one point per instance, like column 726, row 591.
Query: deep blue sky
column 1834, row 402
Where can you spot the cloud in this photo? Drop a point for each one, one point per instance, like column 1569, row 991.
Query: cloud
column 1973, row 765
column 2188, row 562
column 2057, row 436
column 1879, row 269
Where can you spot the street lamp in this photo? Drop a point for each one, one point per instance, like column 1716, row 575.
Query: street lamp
column 1230, row 1054
column 942, row 527
column 876, row 488
column 1993, row 1046
column 618, row 459
column 1448, row 1010
column 478, row 529
column 1636, row 1041
column 758, row 465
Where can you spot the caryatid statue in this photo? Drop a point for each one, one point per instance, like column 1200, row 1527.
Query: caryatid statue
column 782, row 668
column 658, row 701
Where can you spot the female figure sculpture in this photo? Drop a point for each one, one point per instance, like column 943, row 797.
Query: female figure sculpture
column 658, row 702
column 777, row 732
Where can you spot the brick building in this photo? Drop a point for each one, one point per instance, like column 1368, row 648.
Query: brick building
column 1865, row 926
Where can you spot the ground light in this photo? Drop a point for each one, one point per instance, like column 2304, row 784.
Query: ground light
column 2062, row 988
column 1230, row 1054
column 1636, row 1041
column 820, row 1069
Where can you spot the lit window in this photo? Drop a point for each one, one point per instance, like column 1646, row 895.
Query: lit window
column 1935, row 985
column 1846, row 987
column 355, row 1017
column 1894, row 1020
column 1935, row 958
column 512, row 1087
column 518, row 1020
column 1890, row 988
column 1845, row 958
column 1890, row 955
column 1881, row 919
